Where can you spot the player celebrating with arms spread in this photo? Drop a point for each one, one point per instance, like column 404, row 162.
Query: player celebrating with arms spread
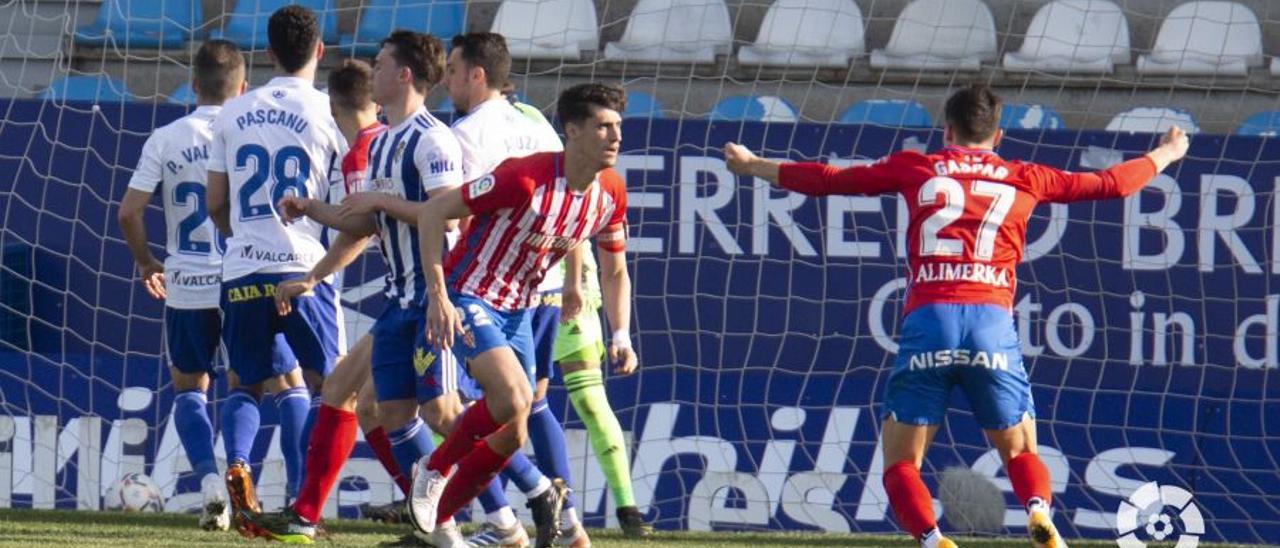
column 528, row 214
column 968, row 212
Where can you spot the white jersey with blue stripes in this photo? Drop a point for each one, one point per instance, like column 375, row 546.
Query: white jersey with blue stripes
column 173, row 162
column 276, row 140
column 408, row 161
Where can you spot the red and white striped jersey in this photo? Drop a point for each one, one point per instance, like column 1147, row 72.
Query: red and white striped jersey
column 526, row 219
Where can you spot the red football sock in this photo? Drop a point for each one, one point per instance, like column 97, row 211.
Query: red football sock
column 472, row 427
column 909, row 498
column 1029, row 477
column 474, row 473
column 331, row 441
column 381, row 445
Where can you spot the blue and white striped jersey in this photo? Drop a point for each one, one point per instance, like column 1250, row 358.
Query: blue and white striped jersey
column 417, row 156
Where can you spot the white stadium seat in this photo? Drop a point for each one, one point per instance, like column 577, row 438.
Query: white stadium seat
column 1206, row 38
column 940, row 35
column 548, row 29
column 1152, row 120
column 1078, row 36
column 1275, row 67
column 680, row 31
column 821, row 33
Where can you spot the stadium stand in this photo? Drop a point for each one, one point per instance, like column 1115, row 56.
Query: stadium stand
column 1030, row 116
column 1262, row 124
column 378, row 18
column 183, row 95
column 887, row 112
column 679, row 31
column 1038, row 64
column 821, row 33
column 1076, row 36
column 1206, row 38
column 143, row 24
column 249, row 30
column 548, row 29
column 763, row 108
column 100, row 89
column 1153, row 120
column 940, row 35
column 642, row 105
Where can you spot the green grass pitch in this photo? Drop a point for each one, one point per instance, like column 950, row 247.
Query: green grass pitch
column 68, row 528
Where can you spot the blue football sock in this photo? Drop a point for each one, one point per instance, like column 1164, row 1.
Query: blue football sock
column 292, row 406
column 316, row 400
column 240, row 421
column 409, row 443
column 521, row 471
column 494, row 497
column 548, row 444
column 191, row 420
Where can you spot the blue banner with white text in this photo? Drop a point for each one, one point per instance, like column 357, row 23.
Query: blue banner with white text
column 765, row 325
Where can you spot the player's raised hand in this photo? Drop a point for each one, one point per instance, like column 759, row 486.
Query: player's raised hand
column 1173, row 147
column 292, row 208
column 443, row 323
column 1176, row 140
column 738, row 158
column 289, row 290
column 152, row 275
column 623, row 357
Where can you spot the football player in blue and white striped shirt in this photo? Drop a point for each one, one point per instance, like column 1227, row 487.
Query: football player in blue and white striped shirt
column 416, row 157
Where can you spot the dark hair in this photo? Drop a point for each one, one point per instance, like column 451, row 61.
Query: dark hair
column 973, row 113
column 487, row 50
column 351, row 85
column 575, row 103
column 422, row 53
column 292, row 33
column 214, row 70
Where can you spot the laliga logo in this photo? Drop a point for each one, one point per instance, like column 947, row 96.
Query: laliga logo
column 1156, row 498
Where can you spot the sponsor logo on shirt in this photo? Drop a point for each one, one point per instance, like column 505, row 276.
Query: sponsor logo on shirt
column 962, row 357
column 963, row 272
column 180, row 278
column 440, row 166
column 272, row 256
column 481, row 186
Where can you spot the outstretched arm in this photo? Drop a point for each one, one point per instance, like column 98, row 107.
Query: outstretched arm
column 1117, row 181
column 342, row 251
column 816, row 179
column 330, row 215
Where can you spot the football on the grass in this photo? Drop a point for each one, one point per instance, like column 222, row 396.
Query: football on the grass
column 134, row 493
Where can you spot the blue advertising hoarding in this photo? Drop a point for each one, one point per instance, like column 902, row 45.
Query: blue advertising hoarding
column 764, row 322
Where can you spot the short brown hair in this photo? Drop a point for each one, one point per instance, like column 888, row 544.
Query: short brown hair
column 215, row 68
column 351, row 85
column 292, row 32
column 422, row 53
column 575, row 103
column 487, row 50
column 973, row 113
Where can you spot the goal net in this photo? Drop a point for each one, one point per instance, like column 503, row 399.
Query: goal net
column 765, row 321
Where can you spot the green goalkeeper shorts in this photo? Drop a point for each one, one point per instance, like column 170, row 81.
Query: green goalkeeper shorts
column 580, row 340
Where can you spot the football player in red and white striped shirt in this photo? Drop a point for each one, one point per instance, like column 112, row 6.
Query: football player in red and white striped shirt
column 528, row 214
